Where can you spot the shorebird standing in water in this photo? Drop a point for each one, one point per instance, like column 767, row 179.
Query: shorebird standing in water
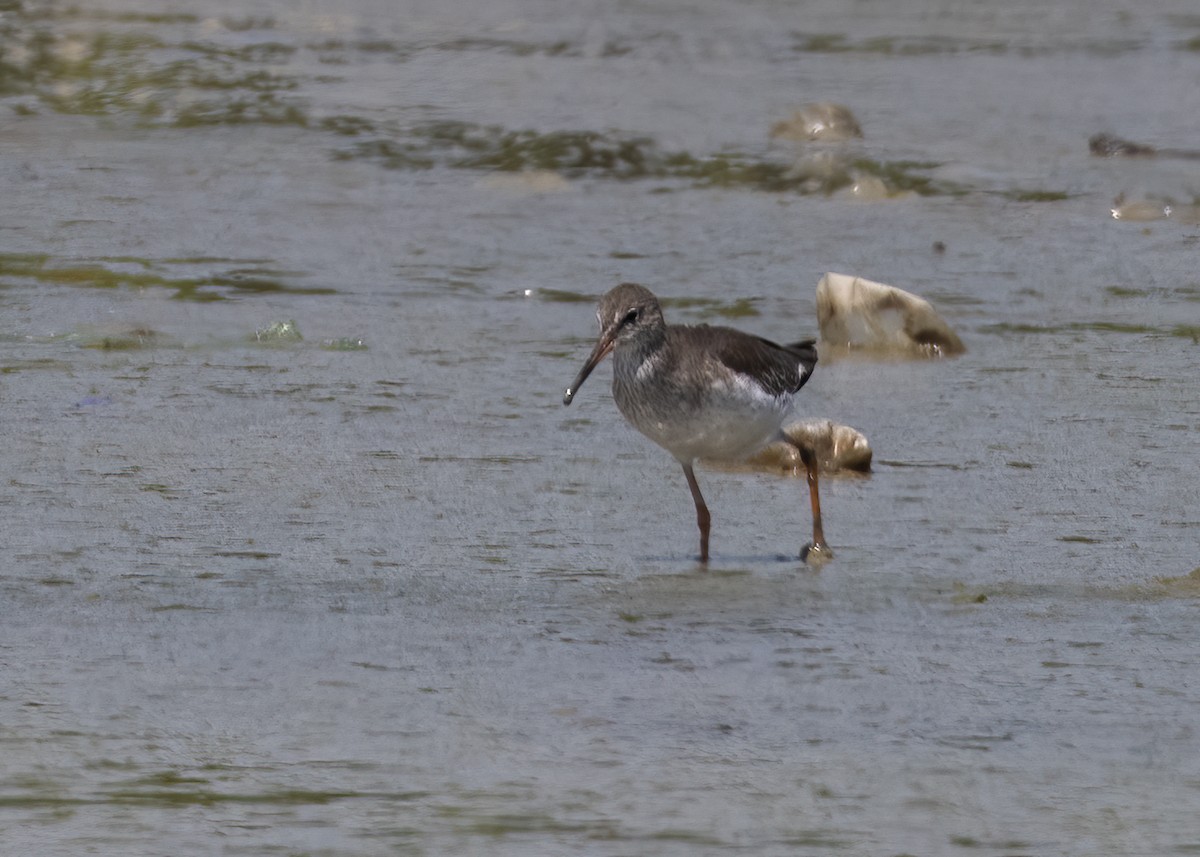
column 702, row 392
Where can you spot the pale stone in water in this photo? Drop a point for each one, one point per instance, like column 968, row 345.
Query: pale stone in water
column 839, row 448
column 870, row 188
column 527, row 181
column 823, row 122
column 280, row 331
column 857, row 313
column 1150, row 209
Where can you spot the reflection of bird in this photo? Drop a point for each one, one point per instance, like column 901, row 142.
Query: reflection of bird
column 702, row 392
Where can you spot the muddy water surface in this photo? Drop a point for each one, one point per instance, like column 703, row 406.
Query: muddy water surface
column 302, row 554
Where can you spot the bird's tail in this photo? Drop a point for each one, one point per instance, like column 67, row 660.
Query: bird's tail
column 805, row 352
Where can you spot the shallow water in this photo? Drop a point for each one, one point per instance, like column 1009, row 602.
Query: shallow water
column 375, row 591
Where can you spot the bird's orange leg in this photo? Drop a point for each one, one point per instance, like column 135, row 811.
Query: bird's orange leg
column 703, row 519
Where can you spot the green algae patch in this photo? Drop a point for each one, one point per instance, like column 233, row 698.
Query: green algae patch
column 465, row 145
column 263, row 109
column 145, row 274
column 349, row 126
column 818, row 177
column 510, row 46
column 126, row 339
column 615, row 155
column 131, row 65
column 1116, row 327
column 25, row 365
column 167, row 798
column 568, row 152
column 737, row 308
column 1184, row 586
column 961, row 594
column 500, row 825
column 259, row 53
column 907, row 176
column 726, row 171
column 1004, row 328
column 903, row 46
column 1126, row 292
column 925, row 46
column 1036, row 195
column 562, row 296
column 388, row 154
column 82, row 62
column 167, row 779
column 1148, row 590
column 206, row 797
column 75, row 12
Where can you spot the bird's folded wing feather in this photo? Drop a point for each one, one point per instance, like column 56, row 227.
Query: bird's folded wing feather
column 779, row 369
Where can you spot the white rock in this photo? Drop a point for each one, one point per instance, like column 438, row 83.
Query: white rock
column 857, row 313
column 839, row 448
column 823, row 121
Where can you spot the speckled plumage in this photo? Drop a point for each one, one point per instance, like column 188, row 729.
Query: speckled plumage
column 699, row 391
column 696, row 393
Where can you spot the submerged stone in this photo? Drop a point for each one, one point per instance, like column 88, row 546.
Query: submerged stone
column 527, row 181
column 1110, row 146
column 839, row 448
column 861, row 314
column 1142, row 210
column 824, row 122
column 870, row 189
column 1139, row 211
column 279, row 331
column 345, row 343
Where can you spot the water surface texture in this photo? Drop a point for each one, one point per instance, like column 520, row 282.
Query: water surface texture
column 301, row 553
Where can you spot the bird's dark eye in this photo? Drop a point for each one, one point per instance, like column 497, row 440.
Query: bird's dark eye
column 632, row 316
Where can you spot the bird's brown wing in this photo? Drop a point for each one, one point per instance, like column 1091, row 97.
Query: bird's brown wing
column 779, row 369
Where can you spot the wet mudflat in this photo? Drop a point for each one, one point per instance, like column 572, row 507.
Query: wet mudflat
column 302, row 554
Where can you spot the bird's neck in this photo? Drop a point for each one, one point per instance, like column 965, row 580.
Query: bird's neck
column 636, row 352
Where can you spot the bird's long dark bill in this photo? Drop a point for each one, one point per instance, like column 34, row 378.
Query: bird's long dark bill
column 603, row 346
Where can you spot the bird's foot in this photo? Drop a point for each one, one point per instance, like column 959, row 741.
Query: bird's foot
column 816, row 555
